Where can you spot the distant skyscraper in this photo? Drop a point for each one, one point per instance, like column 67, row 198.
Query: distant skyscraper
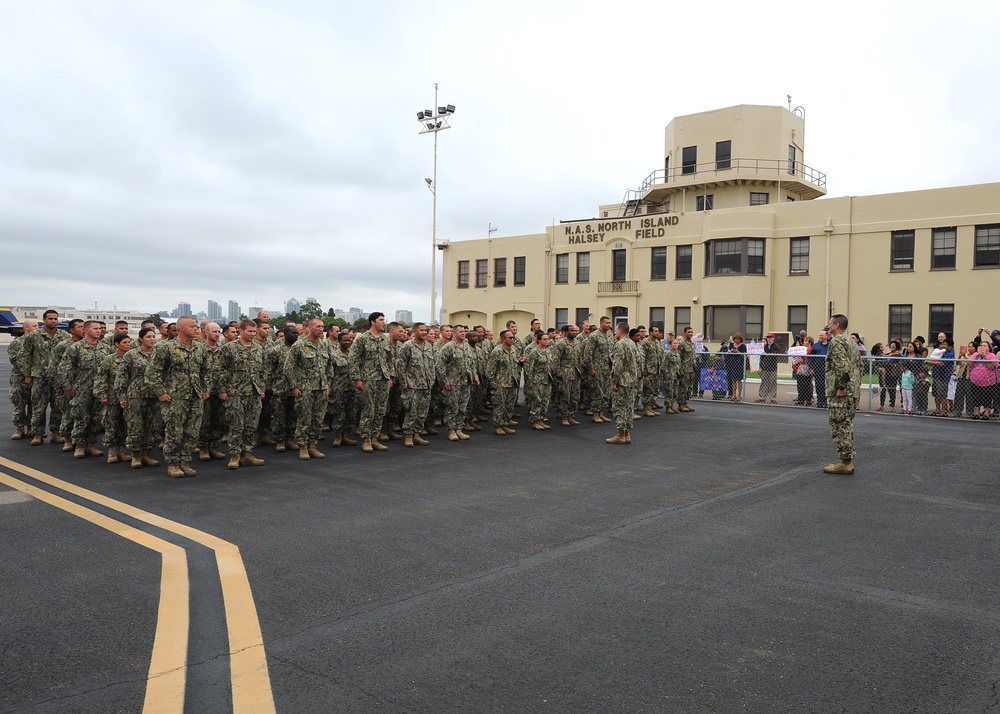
column 404, row 316
column 183, row 308
column 214, row 311
column 292, row 305
column 234, row 311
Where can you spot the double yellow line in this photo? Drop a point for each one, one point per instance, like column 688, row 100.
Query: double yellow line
column 251, row 683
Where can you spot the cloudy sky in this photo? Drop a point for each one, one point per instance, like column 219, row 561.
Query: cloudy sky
column 168, row 150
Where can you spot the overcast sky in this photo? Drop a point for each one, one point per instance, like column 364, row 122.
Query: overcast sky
column 159, row 151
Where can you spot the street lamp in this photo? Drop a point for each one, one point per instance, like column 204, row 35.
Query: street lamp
column 431, row 122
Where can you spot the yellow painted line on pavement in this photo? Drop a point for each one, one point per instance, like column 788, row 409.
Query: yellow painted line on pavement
column 167, row 665
column 251, row 681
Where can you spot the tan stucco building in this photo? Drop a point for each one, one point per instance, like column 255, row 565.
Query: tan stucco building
column 734, row 233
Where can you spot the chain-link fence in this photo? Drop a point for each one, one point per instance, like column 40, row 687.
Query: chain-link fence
column 901, row 385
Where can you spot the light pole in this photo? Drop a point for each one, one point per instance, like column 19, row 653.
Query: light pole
column 431, row 122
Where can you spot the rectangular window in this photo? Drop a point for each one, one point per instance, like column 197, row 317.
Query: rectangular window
column 689, row 159
column 519, row 270
column 618, row 265
column 657, row 317
column 943, row 242
column 791, row 159
column 987, row 246
column 682, row 263
column 942, row 319
column 724, row 320
column 463, row 273
column 482, row 271
column 500, row 272
column 759, row 198
column 798, row 318
column 900, row 322
column 658, row 269
column 562, row 268
column 706, row 202
column 582, row 315
column 755, row 256
column 583, row 267
column 562, row 317
column 682, row 320
column 902, row 250
column 735, row 256
column 799, row 260
column 723, row 154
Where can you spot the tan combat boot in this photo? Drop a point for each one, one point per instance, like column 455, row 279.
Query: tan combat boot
column 618, row 438
column 19, row 434
column 113, row 455
column 215, row 453
column 452, row 435
column 187, row 469
column 408, row 440
column 844, row 466
column 174, row 470
column 265, row 440
column 92, row 450
column 462, row 435
column 419, row 440
column 366, row 445
column 79, row 451
column 280, row 447
column 68, row 445
column 537, row 425
column 383, row 436
column 313, row 453
column 573, row 422
column 291, row 444
column 58, row 438
column 37, row 439
column 203, row 455
column 499, row 431
column 123, row 454
column 346, row 439
column 649, row 412
column 508, row 430
column 304, row 453
column 136, row 460
column 234, row 461
column 685, row 408
column 148, row 460
column 379, row 446
column 248, row 459
column 337, row 440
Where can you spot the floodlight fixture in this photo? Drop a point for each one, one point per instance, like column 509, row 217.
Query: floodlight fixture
column 450, row 109
column 420, row 116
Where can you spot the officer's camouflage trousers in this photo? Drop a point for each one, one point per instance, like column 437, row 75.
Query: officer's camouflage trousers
column 650, row 389
column 309, row 411
column 568, row 396
column 144, row 424
column 539, row 403
column 373, row 401
column 623, row 407
column 394, row 408
column 841, row 411
column 600, row 399
column 213, row 423
column 685, row 384
column 457, row 408
column 416, row 402
column 115, row 430
column 503, row 405
column 282, row 416
column 86, row 411
column 669, row 387
column 242, row 417
column 264, row 422
column 342, row 410
column 20, row 399
column 181, row 427
column 42, row 395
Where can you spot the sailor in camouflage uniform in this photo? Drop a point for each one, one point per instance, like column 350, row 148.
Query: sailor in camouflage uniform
column 213, row 420
column 843, row 387
column 371, row 373
column 178, row 374
column 342, row 409
column 282, row 401
column 596, row 359
column 307, row 367
column 115, row 429
column 565, row 361
column 503, row 369
column 652, row 353
column 416, row 370
column 626, row 378
column 142, row 411
column 78, row 369
column 669, row 369
column 20, row 391
column 456, row 371
column 35, row 360
column 687, row 375
column 393, row 420
column 62, row 399
column 239, row 377
column 538, row 370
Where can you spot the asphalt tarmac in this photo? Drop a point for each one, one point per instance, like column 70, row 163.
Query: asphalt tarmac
column 707, row 567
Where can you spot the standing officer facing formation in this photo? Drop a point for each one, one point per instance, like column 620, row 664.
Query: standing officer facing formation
column 843, row 387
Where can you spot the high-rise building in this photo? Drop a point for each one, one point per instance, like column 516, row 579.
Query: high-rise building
column 404, row 316
column 183, row 309
column 292, row 305
column 214, row 311
column 234, row 311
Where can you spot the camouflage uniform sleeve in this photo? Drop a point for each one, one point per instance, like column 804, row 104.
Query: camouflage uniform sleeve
column 65, row 370
column 154, row 370
column 102, row 380
column 356, row 357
